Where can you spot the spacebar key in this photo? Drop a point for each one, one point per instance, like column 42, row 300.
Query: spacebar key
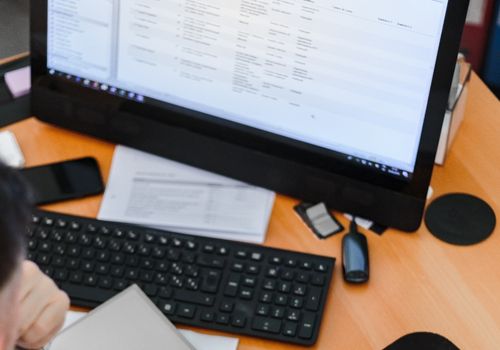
column 195, row 298
column 89, row 294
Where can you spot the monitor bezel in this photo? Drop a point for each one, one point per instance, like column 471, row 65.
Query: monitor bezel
column 235, row 140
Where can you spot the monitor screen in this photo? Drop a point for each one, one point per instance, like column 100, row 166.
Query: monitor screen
column 349, row 77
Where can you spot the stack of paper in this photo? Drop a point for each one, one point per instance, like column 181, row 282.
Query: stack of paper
column 153, row 191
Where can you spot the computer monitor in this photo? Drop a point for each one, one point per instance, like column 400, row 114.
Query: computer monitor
column 340, row 101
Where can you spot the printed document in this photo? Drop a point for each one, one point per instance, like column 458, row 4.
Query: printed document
column 149, row 190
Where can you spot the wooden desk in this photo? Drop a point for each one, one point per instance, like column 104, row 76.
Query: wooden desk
column 418, row 283
column 13, row 58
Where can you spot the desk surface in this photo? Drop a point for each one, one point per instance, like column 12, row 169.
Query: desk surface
column 418, row 283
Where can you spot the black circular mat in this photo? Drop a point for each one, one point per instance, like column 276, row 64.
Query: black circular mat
column 460, row 219
column 422, row 341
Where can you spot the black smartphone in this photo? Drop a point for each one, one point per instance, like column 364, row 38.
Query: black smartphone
column 65, row 180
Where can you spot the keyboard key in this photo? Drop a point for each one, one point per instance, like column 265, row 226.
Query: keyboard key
column 256, row 256
column 149, row 238
column 58, row 262
column 192, row 271
column 132, row 274
column 233, row 283
column 281, row 300
column 321, row 267
column 241, row 254
column 88, row 266
column 269, row 285
column 106, row 283
column 35, row 219
column 211, row 282
column 120, row 285
column 263, row 310
column 266, row 297
column 106, row 231
column 239, row 320
column 117, row 271
column 132, row 235
column 278, row 312
column 48, row 222
column 222, row 319
column 296, row 302
column 173, row 255
column 307, row 325
column 73, row 264
column 272, row 272
column 150, row 289
column 102, row 269
column 318, row 280
column 74, row 226
column 192, row 284
column 76, row 277
column 146, row 276
column 246, row 294
column 132, row 261
column 313, row 299
column 59, row 249
column 166, row 292
column 186, row 311
column 60, row 275
column 284, row 287
column 208, row 248
column 90, row 280
column 88, row 253
column 161, row 279
column 250, row 281
column 306, row 265
column 299, row 289
column 163, row 241
column 103, row 256
column 168, row 308
column 144, row 250
column 177, row 281
column 253, row 269
column 275, row 260
column 61, row 223
column 266, row 325
column 226, row 306
column 293, row 315
column 190, row 245
column 287, row 275
column 207, row 316
column 237, row 267
column 290, row 329
column 303, row 277
column 162, row 266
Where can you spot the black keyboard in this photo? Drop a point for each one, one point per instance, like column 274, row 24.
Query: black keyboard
column 211, row 283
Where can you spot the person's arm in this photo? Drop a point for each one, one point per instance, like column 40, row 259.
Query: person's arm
column 43, row 308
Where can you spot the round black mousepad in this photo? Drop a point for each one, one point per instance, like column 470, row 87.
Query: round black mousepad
column 460, row 219
column 422, row 341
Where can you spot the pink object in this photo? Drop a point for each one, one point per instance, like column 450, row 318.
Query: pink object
column 19, row 81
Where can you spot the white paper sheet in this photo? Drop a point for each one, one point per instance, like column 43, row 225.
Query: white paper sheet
column 198, row 340
column 153, row 191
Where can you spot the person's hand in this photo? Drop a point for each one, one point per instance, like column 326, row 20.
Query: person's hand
column 43, row 308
